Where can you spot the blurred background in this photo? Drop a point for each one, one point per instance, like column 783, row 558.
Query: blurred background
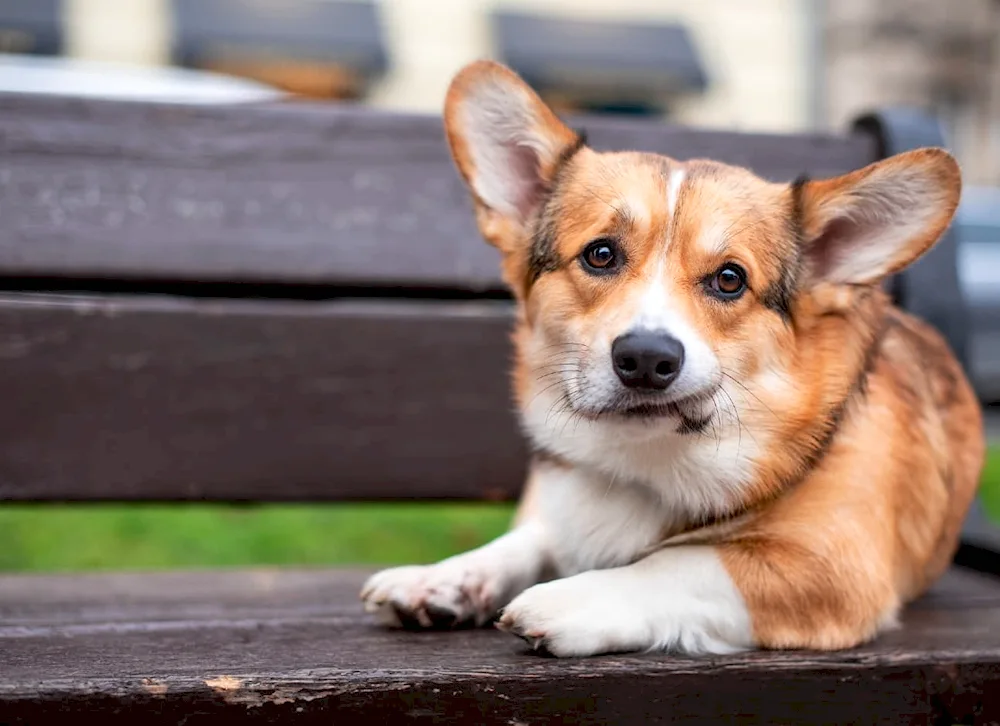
column 755, row 65
column 771, row 65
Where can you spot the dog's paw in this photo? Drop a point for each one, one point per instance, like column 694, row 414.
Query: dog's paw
column 448, row 594
column 577, row 616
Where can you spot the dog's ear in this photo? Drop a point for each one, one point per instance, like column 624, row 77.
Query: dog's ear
column 861, row 227
column 506, row 143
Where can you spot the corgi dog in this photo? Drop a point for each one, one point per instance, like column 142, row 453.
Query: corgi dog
column 738, row 441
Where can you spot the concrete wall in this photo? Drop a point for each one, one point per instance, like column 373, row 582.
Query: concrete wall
column 126, row 31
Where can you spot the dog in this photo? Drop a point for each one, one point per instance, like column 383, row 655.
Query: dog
column 738, row 441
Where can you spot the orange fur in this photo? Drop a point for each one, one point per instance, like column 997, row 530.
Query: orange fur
column 866, row 438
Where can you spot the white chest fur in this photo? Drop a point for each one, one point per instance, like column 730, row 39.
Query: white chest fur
column 634, row 480
column 591, row 522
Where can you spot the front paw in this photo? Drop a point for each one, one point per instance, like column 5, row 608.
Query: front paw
column 448, row 594
column 577, row 616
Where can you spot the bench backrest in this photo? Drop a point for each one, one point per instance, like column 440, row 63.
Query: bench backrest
column 268, row 302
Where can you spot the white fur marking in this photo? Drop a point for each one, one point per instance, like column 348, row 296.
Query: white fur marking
column 638, row 210
column 691, row 476
column 657, row 312
column 596, row 521
column 674, row 188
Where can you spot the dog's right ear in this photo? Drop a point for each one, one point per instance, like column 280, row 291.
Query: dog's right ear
column 507, row 144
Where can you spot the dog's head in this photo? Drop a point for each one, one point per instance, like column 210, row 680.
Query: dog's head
column 648, row 285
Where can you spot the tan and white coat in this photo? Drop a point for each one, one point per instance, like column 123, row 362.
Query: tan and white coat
column 807, row 472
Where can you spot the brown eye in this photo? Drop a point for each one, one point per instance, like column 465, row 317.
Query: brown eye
column 600, row 257
column 729, row 282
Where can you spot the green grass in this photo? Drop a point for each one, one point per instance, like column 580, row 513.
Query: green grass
column 141, row 536
column 990, row 488
column 125, row 536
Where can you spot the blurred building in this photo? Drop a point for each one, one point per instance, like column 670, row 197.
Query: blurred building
column 943, row 56
column 763, row 65
column 755, row 57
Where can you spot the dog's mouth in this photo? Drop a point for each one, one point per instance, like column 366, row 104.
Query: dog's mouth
column 688, row 411
column 643, row 410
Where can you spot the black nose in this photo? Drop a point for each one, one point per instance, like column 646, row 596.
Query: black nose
column 647, row 360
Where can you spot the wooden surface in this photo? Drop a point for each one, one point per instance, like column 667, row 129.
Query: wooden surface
column 299, row 194
column 176, row 395
column 165, row 398
column 265, row 645
column 340, row 360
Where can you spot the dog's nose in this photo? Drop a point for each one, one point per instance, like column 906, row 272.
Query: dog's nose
column 647, row 360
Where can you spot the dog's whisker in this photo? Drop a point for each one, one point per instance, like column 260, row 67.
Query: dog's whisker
column 750, row 393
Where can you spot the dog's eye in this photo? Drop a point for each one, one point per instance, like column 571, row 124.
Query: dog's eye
column 729, row 282
column 600, row 256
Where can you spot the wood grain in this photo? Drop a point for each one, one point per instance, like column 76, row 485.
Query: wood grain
column 263, row 646
column 145, row 397
column 297, row 193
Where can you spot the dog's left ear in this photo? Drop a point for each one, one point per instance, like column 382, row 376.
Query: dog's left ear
column 506, row 143
column 866, row 225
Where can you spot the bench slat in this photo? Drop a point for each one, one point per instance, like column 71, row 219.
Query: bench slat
column 169, row 398
column 294, row 194
column 272, row 645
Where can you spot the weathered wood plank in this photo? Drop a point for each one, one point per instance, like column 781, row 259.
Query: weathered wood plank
column 302, row 194
column 167, row 398
column 265, row 646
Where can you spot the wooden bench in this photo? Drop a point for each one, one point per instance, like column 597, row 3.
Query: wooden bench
column 274, row 303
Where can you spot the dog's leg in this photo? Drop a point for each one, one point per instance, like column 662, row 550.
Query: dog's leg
column 470, row 587
column 467, row 588
column 679, row 598
column 767, row 592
